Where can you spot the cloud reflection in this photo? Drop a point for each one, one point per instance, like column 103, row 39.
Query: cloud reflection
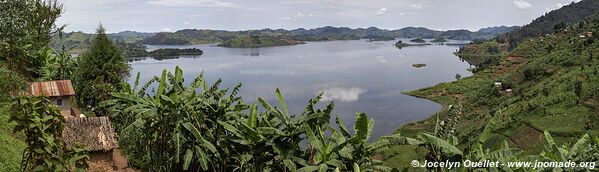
column 342, row 94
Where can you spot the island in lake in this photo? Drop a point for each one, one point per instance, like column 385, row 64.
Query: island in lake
column 255, row 41
column 175, row 52
column 418, row 40
column 136, row 50
column 419, row 65
column 401, row 44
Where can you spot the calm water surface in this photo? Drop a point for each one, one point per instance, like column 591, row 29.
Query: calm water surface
column 359, row 76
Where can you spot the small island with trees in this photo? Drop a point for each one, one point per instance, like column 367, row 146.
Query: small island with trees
column 166, row 52
column 418, row 40
column 131, row 50
column 418, row 65
column 401, row 44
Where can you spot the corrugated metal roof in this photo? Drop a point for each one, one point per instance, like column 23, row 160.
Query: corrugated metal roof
column 51, row 88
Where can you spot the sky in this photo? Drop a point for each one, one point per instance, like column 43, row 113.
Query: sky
column 173, row 15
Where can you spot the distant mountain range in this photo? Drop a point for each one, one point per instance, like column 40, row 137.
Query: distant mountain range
column 198, row 36
column 77, row 41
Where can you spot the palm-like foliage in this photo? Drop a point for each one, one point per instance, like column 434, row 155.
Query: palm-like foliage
column 178, row 123
column 42, row 124
column 174, row 127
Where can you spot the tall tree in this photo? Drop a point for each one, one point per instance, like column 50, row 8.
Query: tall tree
column 26, row 28
column 100, row 71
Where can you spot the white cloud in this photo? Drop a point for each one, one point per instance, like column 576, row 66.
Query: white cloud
column 382, row 59
column 186, row 23
column 166, row 29
column 381, row 11
column 286, row 18
column 299, row 14
column 521, row 4
column 187, row 3
column 416, row 6
column 342, row 94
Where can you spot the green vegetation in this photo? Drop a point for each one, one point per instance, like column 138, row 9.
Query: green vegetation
column 31, row 127
column 418, row 65
column 544, row 80
column 42, row 124
column 10, row 81
column 77, row 42
column 100, row 71
column 56, row 66
column 327, row 33
column 137, row 50
column 441, row 39
column 505, row 112
column 178, row 128
column 254, row 41
column 26, row 27
column 401, row 44
column 11, row 144
column 551, row 22
column 482, row 54
column 175, row 52
column 418, row 40
column 132, row 49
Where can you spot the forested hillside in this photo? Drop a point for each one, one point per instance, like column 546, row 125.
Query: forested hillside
column 551, row 21
column 79, row 41
column 255, row 41
column 550, row 83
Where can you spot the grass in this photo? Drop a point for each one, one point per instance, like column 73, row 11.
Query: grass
column 401, row 156
column 11, row 145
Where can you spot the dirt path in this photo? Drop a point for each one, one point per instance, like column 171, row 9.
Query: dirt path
column 120, row 161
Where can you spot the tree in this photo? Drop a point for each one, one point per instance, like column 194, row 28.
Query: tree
column 57, row 66
column 458, row 76
column 26, row 27
column 9, row 81
column 100, row 71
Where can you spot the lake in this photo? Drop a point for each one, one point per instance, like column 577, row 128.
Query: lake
column 359, row 76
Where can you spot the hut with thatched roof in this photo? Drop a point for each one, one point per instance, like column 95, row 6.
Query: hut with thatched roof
column 95, row 134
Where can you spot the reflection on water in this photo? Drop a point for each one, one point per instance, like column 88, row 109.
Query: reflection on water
column 342, row 94
column 133, row 59
column 359, row 76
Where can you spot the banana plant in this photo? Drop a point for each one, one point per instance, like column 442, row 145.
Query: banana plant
column 345, row 151
column 175, row 126
column 273, row 137
column 584, row 150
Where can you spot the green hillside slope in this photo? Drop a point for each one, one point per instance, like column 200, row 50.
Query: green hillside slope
column 554, row 86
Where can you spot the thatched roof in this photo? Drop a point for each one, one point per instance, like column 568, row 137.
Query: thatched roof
column 51, row 88
column 95, row 133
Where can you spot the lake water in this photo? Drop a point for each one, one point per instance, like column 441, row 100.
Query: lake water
column 359, row 76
